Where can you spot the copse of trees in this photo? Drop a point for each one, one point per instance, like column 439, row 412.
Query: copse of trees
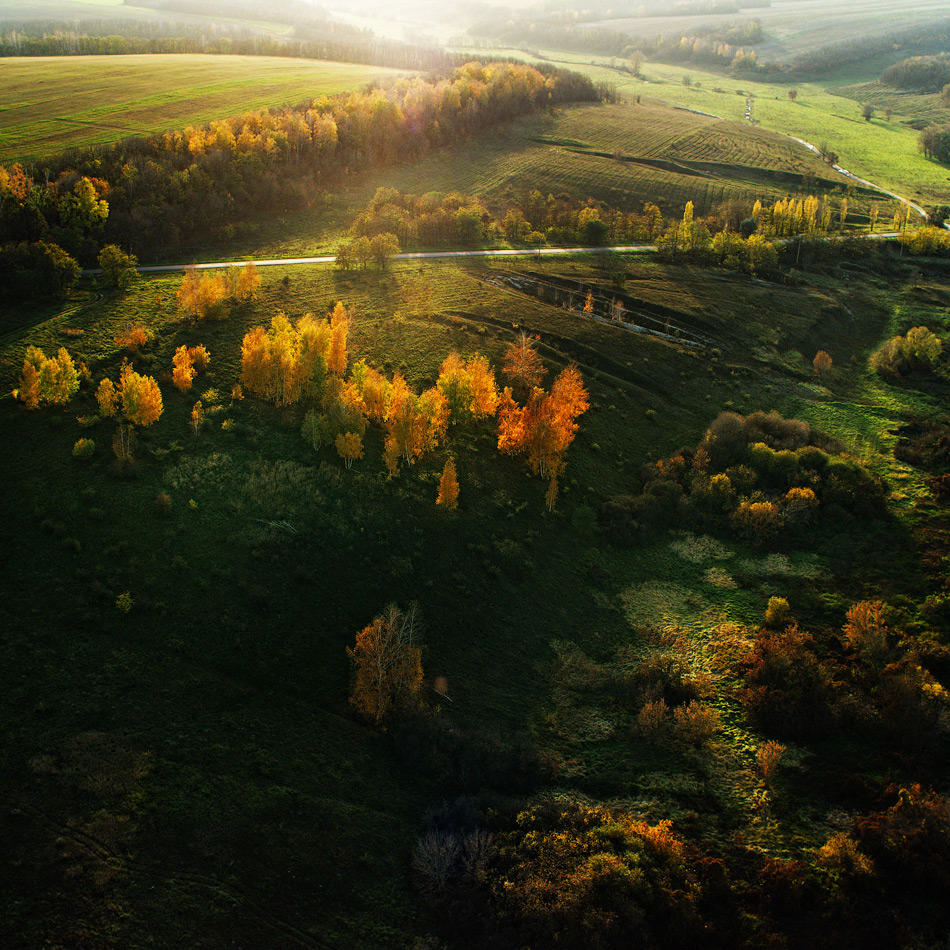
column 935, row 36
column 761, row 478
column 920, row 349
column 920, row 73
column 934, row 142
column 47, row 380
column 288, row 361
column 315, row 36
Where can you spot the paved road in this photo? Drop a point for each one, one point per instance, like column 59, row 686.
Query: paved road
column 408, row 256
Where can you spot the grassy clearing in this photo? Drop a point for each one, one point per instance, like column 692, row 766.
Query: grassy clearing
column 55, row 103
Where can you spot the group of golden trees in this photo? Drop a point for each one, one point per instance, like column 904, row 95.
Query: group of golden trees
column 288, row 361
column 307, row 360
column 204, row 295
column 187, row 362
column 50, row 380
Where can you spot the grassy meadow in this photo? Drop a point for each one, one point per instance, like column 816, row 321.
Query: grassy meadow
column 829, row 110
column 191, row 770
column 60, row 102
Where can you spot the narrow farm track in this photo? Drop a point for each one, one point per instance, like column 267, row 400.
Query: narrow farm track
column 407, row 256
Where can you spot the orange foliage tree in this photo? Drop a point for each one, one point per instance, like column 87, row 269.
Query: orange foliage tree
column 183, row 369
column 248, row 280
column 186, row 363
column 134, row 337
column 414, row 423
column 141, row 398
column 822, row 363
column 387, row 664
column 523, row 365
column 202, row 295
column 545, row 427
column 468, row 387
column 448, row 486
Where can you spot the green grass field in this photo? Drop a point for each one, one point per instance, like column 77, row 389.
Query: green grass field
column 884, row 152
column 795, row 27
column 621, row 154
column 54, row 103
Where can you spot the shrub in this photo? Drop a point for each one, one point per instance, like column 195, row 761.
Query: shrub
column 134, row 338
column 84, row 449
column 768, row 758
column 653, row 721
column 918, row 350
column 163, row 503
column 786, row 689
column 696, row 722
column 777, row 612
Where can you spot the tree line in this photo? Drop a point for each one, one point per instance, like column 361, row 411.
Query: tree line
column 334, row 42
column 154, row 193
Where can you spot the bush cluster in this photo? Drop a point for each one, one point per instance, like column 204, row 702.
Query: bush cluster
column 760, row 477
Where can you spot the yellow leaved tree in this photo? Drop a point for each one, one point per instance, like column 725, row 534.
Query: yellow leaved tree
column 387, row 664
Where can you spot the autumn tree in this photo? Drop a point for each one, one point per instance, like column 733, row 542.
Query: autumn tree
column 448, row 486
column 387, row 664
column 49, row 380
column 468, row 387
column 866, row 630
column 183, row 369
column 197, row 416
column 248, row 281
column 523, row 365
column 141, row 398
column 822, row 363
column 545, row 427
column 339, row 329
column 349, row 446
column 134, row 337
column 108, row 397
column 383, row 247
column 202, row 295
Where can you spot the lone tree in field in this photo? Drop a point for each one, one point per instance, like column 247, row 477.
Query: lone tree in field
column 448, row 486
column 387, row 664
column 822, row 363
column 867, row 112
column 118, row 268
column 523, row 365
